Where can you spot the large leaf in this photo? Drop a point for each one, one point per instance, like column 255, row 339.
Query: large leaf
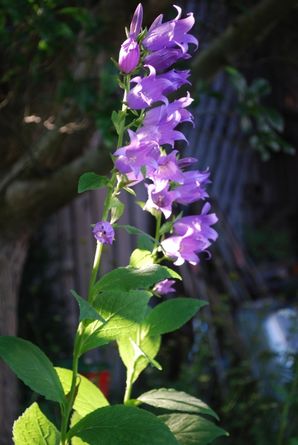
column 190, row 429
column 141, row 258
column 172, row 314
column 88, row 397
column 34, row 428
column 32, row 366
column 91, row 181
column 122, row 312
column 122, row 425
column 176, row 401
column 75, row 418
column 127, row 278
column 138, row 350
column 87, row 312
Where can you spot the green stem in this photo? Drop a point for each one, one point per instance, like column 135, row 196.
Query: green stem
column 97, row 258
column 128, row 388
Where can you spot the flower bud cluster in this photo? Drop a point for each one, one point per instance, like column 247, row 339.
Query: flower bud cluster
column 150, row 155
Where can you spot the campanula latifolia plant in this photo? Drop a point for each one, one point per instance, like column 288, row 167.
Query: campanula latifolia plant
column 117, row 305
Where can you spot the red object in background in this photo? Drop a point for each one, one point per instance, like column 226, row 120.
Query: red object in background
column 101, row 379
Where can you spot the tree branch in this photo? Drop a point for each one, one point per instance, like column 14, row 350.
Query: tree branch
column 28, row 201
column 248, row 29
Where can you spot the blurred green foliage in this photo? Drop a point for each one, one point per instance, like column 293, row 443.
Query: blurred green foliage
column 263, row 125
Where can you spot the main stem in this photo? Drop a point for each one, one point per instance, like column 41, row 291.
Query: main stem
column 97, row 257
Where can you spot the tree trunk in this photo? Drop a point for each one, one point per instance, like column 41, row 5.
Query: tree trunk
column 13, row 250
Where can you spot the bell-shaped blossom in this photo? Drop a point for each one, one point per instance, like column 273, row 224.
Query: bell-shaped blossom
column 148, row 90
column 177, row 78
column 103, row 232
column 168, row 169
column 136, row 155
column 192, row 235
column 164, row 287
column 160, row 122
column 160, row 198
column 173, row 33
column 129, row 54
column 193, row 187
column 165, row 57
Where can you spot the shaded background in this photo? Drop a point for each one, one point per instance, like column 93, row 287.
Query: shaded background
column 58, row 89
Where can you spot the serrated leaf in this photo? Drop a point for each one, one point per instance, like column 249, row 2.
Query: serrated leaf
column 136, row 360
column 87, row 312
column 122, row 312
column 75, row 418
column 32, row 366
column 141, row 258
column 34, row 428
column 117, row 209
column 125, row 425
column 127, row 278
column 190, row 429
column 172, row 314
column 91, row 181
column 118, row 119
column 176, row 401
column 88, row 398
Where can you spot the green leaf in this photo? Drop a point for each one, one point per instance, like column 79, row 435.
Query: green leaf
column 260, row 87
column 122, row 312
column 141, row 258
column 117, row 209
column 91, row 181
column 126, row 278
column 166, row 227
column 34, row 428
column 190, row 429
column 32, row 366
column 275, row 119
column 75, row 418
column 172, row 314
column 118, row 120
column 176, row 401
column 88, row 398
column 87, row 312
column 134, row 231
column 125, row 425
column 137, row 359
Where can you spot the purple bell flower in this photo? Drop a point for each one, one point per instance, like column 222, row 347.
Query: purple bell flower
column 170, row 34
column 139, row 153
column 192, row 235
column 193, row 187
column 103, row 232
column 165, row 57
column 148, row 90
column 164, row 287
column 168, row 169
column 160, row 122
column 160, row 198
column 129, row 54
